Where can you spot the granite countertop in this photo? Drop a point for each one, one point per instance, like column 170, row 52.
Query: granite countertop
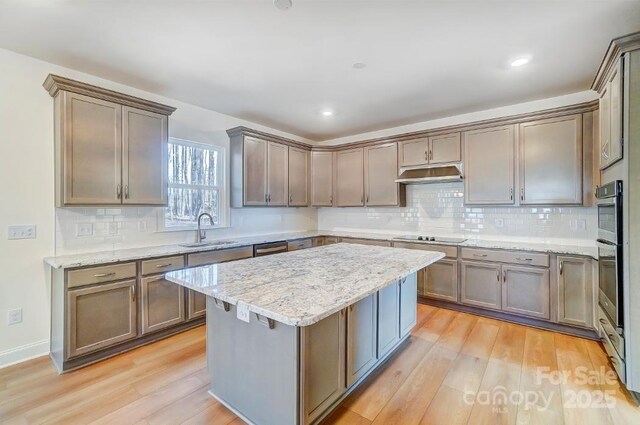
column 132, row 254
column 302, row 287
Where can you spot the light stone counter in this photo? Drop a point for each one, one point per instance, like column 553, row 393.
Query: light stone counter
column 300, row 288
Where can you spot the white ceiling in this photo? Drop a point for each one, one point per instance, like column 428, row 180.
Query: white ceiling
column 425, row 59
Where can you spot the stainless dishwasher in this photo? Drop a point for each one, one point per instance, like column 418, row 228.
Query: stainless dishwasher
column 269, row 248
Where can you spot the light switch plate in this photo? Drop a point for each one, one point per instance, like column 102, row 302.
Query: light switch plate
column 14, row 316
column 22, row 232
column 84, row 229
column 581, row 224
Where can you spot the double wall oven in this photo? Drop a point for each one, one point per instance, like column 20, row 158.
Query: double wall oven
column 610, row 294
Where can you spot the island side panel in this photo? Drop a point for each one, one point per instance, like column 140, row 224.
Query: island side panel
column 253, row 369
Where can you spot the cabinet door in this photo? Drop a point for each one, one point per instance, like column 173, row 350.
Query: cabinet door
column 605, row 126
column 92, row 151
column 255, row 172
column 100, row 316
column 162, row 304
column 481, row 284
column 444, row 148
column 615, row 122
column 526, row 291
column 441, row 280
column 361, row 338
column 349, row 178
column 489, row 166
column 323, row 369
column 414, row 152
column 298, row 177
column 278, row 174
column 144, row 171
column 321, row 179
column 388, row 318
column 408, row 303
column 575, row 291
column 196, row 304
column 551, row 161
column 381, row 171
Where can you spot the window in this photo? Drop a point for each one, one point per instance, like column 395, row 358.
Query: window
column 195, row 184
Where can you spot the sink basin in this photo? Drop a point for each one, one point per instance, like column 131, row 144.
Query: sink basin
column 202, row 244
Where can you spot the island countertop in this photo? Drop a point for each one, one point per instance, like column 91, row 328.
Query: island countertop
column 300, row 288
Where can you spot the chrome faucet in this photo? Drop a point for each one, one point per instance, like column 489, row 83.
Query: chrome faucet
column 201, row 234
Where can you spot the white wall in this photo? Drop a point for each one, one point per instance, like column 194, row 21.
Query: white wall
column 26, row 185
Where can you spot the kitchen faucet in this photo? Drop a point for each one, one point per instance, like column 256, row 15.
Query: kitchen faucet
column 201, row 234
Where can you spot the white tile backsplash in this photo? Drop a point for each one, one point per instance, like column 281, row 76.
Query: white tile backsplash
column 438, row 209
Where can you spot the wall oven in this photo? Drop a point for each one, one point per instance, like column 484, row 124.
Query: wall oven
column 610, row 294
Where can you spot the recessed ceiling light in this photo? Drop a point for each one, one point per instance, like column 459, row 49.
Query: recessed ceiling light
column 282, row 4
column 520, row 62
column 359, row 65
column 327, row 113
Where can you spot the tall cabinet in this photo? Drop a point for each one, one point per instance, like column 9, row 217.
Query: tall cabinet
column 110, row 148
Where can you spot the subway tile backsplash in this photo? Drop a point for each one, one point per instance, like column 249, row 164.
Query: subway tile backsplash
column 438, row 209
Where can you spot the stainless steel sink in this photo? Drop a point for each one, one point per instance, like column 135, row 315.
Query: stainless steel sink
column 203, row 244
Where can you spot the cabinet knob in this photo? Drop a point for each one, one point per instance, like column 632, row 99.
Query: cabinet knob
column 118, row 191
column 126, row 192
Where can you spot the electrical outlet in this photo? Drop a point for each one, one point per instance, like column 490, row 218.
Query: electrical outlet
column 581, row 224
column 14, row 316
column 112, row 228
column 499, row 223
column 22, row 232
column 84, row 229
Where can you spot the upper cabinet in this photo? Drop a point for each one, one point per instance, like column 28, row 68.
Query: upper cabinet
column 551, row 161
column 439, row 149
column 489, row 158
column 298, row 177
column 277, row 174
column 380, row 173
column 322, row 179
column 348, row 179
column 611, row 119
column 111, row 148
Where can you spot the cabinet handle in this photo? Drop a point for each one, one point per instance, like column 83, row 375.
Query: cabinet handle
column 561, row 266
column 524, row 259
column 104, row 274
column 498, row 275
column 362, row 199
column 613, row 359
column 331, row 199
column 126, row 191
column 480, row 255
column 133, row 293
column 426, row 155
column 162, row 266
column 504, row 276
column 367, row 199
column 522, row 193
column 266, row 198
column 118, row 191
column 290, row 199
column 511, row 194
column 156, row 279
column 604, row 322
column 431, row 155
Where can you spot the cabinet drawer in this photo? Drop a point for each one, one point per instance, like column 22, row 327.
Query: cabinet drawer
column 160, row 265
column 93, row 275
column 617, row 362
column 608, row 332
column 300, row 244
column 219, row 256
column 514, row 257
column 449, row 251
column 366, row 242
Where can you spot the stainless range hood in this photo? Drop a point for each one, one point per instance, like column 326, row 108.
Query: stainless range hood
column 424, row 174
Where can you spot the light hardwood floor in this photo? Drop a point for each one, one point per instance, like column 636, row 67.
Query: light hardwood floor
column 447, row 374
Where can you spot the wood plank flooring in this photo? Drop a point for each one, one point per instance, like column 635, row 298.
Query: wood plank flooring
column 457, row 369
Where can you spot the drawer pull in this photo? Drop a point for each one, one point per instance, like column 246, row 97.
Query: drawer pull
column 162, row 266
column 480, row 255
column 133, row 293
column 611, row 336
column 524, row 259
column 104, row 274
column 613, row 359
column 604, row 322
column 270, row 323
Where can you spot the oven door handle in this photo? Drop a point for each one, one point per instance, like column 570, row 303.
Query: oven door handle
column 605, row 243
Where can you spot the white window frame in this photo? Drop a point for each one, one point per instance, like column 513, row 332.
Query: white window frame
column 223, row 199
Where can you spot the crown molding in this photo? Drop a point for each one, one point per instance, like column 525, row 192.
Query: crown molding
column 246, row 131
column 617, row 48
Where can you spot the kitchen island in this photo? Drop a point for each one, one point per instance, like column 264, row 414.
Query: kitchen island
column 290, row 335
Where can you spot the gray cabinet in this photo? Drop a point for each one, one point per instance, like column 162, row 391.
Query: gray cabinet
column 489, row 163
column 408, row 287
column 439, row 149
column 361, row 338
column 551, row 161
column 372, row 242
column 298, row 177
column 323, row 374
column 388, row 323
column 381, row 171
column 254, row 183
column 321, row 179
column 196, row 304
column 277, row 175
column 162, row 303
column 440, row 280
column 349, row 178
column 610, row 112
column 100, row 316
column 575, row 291
column 526, row 291
column 481, row 284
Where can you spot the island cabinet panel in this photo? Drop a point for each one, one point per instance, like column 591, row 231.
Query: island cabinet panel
column 254, row 158
column 100, row 316
column 349, row 178
column 489, row 164
column 277, row 174
column 388, row 314
column 162, row 304
column 481, row 284
column 441, row 280
column 322, row 179
column 444, row 148
column 381, row 172
column 298, row 177
column 323, row 355
column 526, row 291
column 575, row 291
column 408, row 303
column 361, row 338
column 551, row 161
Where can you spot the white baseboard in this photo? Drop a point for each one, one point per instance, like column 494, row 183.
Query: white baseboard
column 24, row 353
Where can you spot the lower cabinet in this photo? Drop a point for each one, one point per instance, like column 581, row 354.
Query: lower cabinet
column 575, row 291
column 362, row 326
column 196, row 304
column 365, row 242
column 323, row 346
column 440, row 280
column 481, row 284
column 525, row 291
column 100, row 316
column 162, row 303
column 299, row 244
column 388, row 312
column 408, row 303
